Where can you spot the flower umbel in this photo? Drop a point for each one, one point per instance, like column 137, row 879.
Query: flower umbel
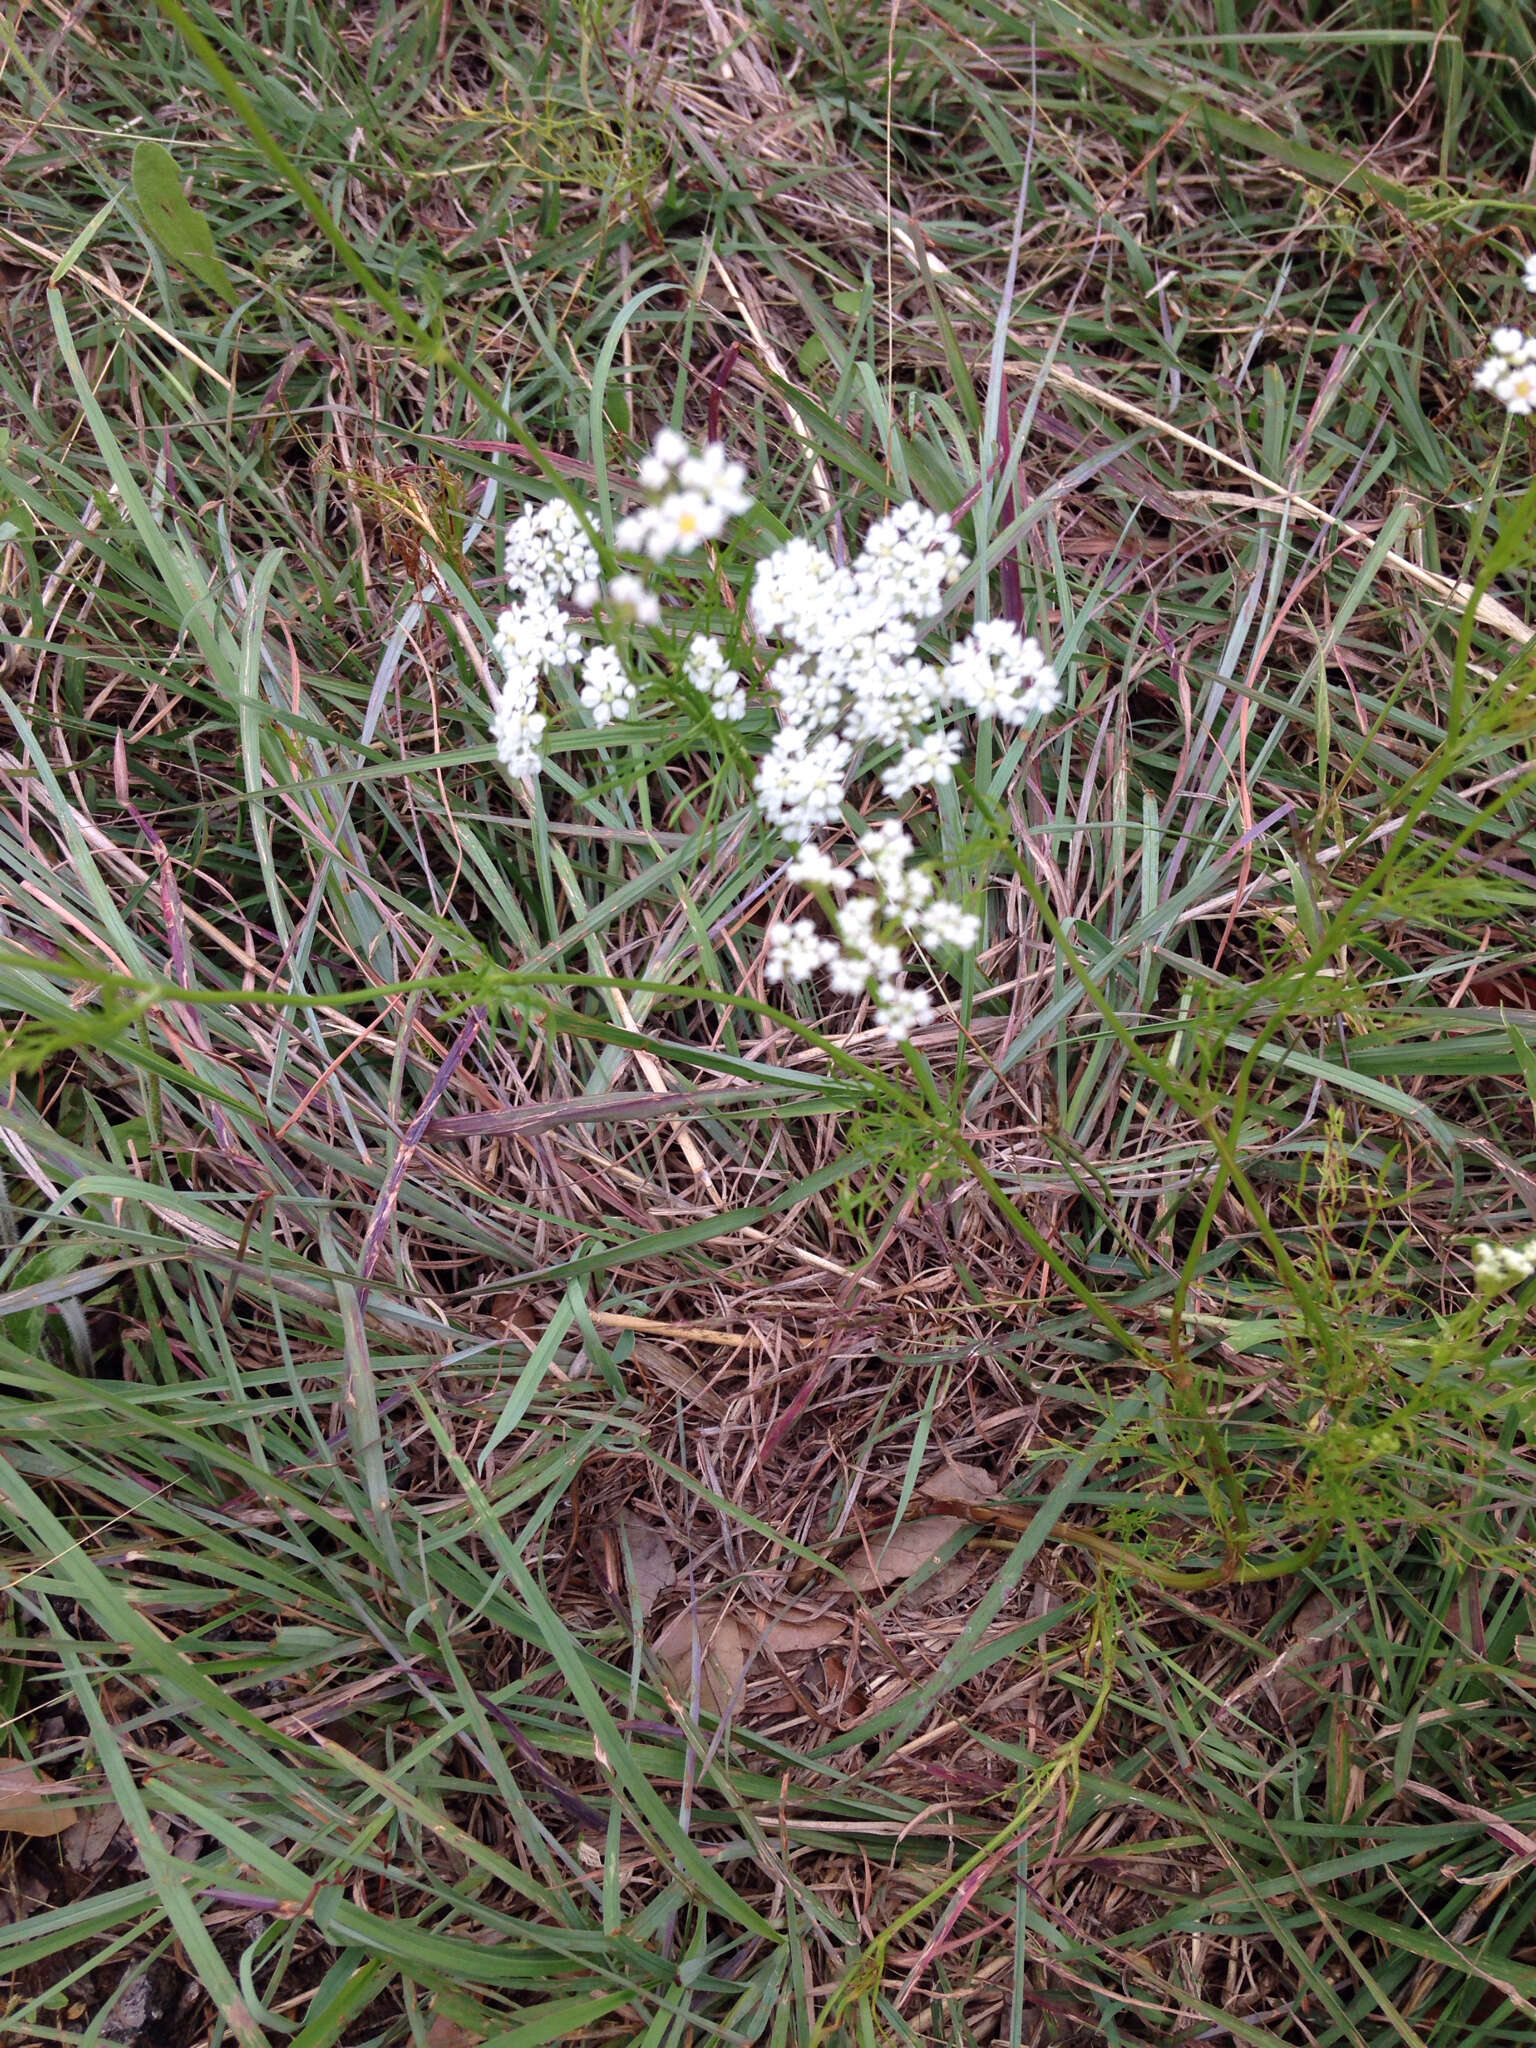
column 846, row 675
column 704, row 667
column 606, row 690
column 1510, row 371
column 548, row 552
column 693, row 499
column 1496, row 1267
column 854, row 678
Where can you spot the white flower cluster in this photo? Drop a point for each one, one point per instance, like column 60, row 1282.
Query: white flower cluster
column 548, row 557
column 693, row 496
column 995, row 674
column 849, row 675
column 550, row 562
column 1510, row 372
column 548, row 552
column 704, row 668
column 629, row 596
column 854, row 677
column 801, row 782
column 1498, row 1266
column 866, row 955
column 606, row 689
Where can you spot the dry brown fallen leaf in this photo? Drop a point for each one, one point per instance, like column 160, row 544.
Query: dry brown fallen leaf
column 723, row 1654
column 1302, row 1671
column 889, row 1556
column 949, row 1579
column 960, row 1482
column 447, row 2033
column 30, row 1803
column 649, row 1562
column 85, row 1844
column 680, row 1377
column 1309, row 1665
column 728, row 1641
column 803, row 1631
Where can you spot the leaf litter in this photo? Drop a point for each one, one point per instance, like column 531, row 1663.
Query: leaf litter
column 729, row 1639
column 648, row 1563
column 32, row 1803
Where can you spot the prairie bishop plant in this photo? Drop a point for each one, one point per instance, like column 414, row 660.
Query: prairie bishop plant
column 1497, row 1267
column 858, row 708
column 1510, row 370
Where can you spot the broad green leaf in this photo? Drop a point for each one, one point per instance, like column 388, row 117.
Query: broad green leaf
column 179, row 228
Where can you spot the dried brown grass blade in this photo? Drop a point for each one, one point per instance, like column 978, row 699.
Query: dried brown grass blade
column 1452, row 591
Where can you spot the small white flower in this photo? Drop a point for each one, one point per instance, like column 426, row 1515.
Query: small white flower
column 670, row 449
column 1529, row 277
column 678, row 524
column 703, row 662
column 1510, row 372
column 856, row 924
column 627, row 593
column 997, row 673
column 535, row 634
column 1517, row 392
column 884, row 851
column 548, row 552
column 932, row 759
column 814, row 868
column 907, row 893
column 1043, row 695
column 882, row 963
column 1498, row 1266
column 606, row 690
column 704, row 668
column 904, row 889
column 942, row 923
column 806, row 695
column 688, row 519
column 586, row 593
column 986, row 690
column 681, row 520
column 800, row 782
column 901, row 1010
column 908, row 559
column 660, row 534
column 849, row 974
column 790, row 590
column 866, row 956
column 795, row 951
column 1032, row 657
column 717, row 480
column 517, row 730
